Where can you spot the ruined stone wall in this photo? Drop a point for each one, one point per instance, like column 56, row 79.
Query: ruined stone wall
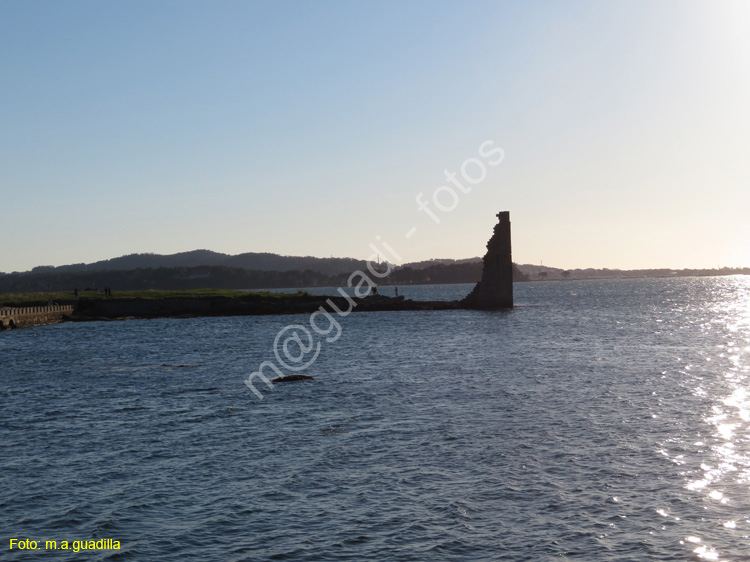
column 495, row 289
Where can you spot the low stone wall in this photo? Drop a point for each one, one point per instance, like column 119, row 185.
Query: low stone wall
column 144, row 308
column 175, row 308
column 11, row 318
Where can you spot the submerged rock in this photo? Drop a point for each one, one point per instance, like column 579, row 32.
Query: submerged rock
column 293, row 378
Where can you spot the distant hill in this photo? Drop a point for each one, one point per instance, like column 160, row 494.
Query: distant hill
column 207, row 269
column 546, row 273
column 195, row 258
column 223, row 277
column 258, row 261
column 438, row 261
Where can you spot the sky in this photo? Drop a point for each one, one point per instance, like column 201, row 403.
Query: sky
column 616, row 133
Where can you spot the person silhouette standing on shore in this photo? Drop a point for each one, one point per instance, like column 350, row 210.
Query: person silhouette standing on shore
column 75, row 292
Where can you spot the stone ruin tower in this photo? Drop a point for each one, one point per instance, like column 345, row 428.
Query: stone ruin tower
column 495, row 290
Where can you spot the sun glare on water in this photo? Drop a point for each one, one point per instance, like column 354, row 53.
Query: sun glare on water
column 724, row 476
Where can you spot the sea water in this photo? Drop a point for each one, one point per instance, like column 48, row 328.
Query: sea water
column 598, row 420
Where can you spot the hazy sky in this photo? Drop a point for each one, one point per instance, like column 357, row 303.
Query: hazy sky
column 309, row 128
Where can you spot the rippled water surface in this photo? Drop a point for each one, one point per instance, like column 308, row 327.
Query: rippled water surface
column 599, row 420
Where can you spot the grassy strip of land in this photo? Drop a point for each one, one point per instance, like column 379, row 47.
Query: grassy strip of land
column 42, row 299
